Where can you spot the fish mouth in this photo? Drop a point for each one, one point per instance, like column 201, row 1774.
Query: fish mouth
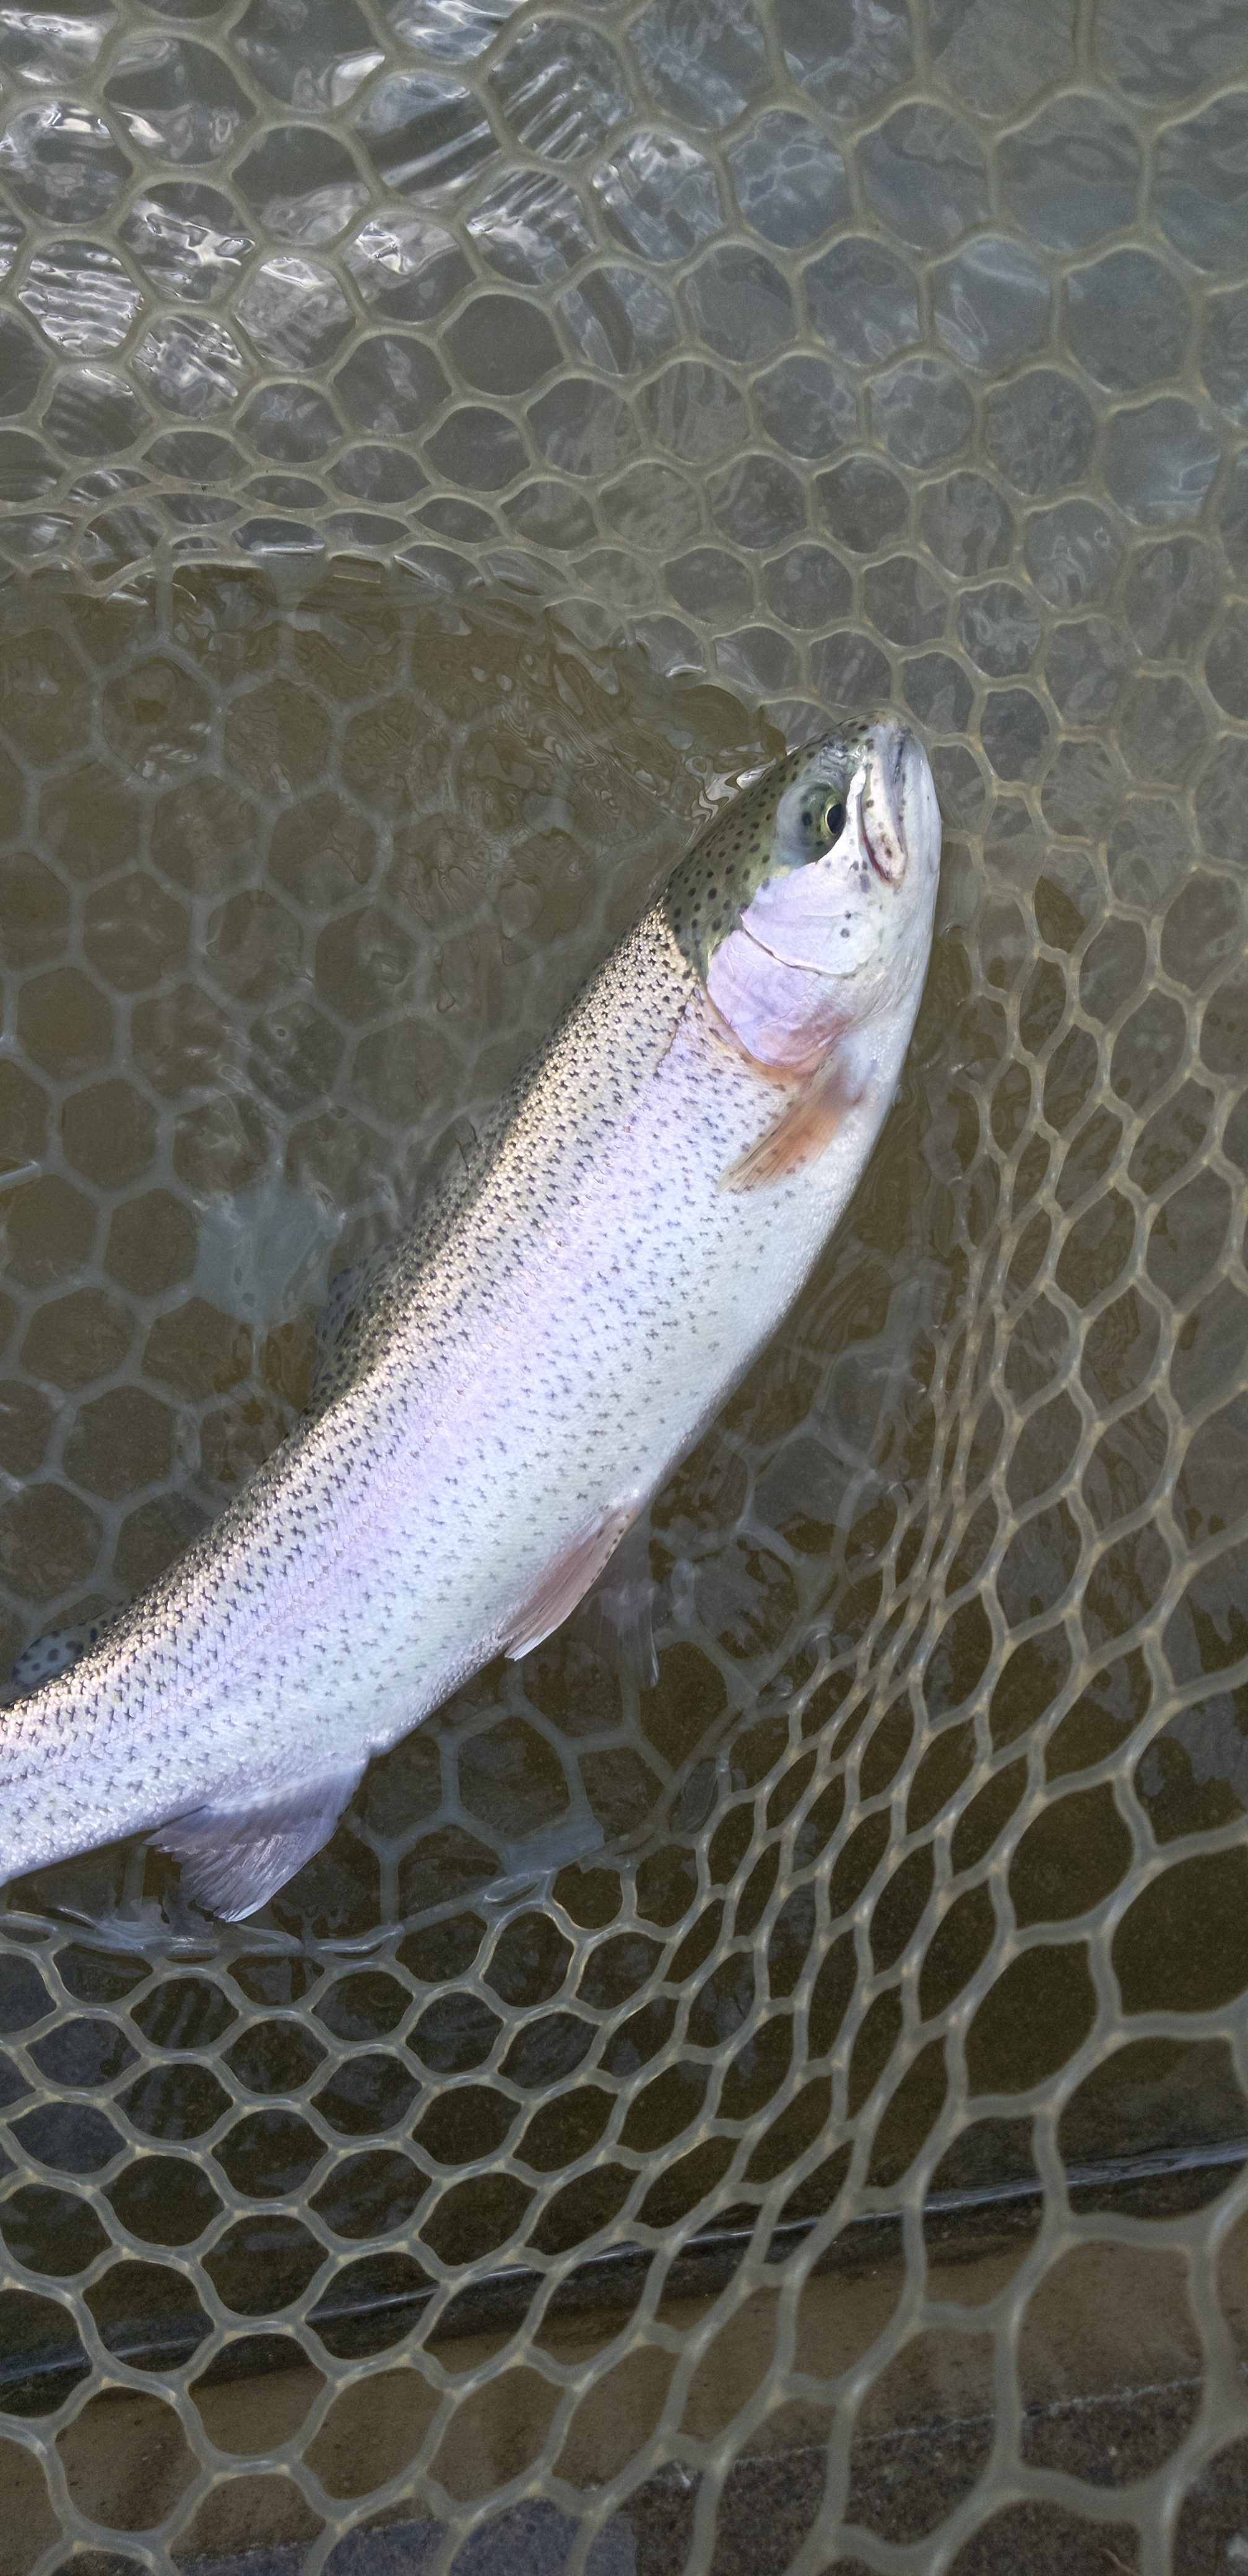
column 897, row 807
column 880, row 861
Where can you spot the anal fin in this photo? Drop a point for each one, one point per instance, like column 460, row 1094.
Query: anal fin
column 565, row 1581
column 805, row 1127
column 235, row 1857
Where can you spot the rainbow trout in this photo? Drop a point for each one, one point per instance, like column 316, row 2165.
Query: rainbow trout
column 531, row 1357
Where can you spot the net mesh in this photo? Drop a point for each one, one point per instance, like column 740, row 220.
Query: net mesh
column 792, row 2118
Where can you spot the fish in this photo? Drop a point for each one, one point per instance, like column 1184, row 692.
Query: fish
column 527, row 1361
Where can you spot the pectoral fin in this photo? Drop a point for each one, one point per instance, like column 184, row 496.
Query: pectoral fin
column 234, row 1858
column 802, row 1131
column 565, row 1581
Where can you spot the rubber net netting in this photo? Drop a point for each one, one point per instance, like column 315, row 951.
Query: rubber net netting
column 792, row 2118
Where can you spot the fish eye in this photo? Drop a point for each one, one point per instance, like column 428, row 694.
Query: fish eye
column 822, row 822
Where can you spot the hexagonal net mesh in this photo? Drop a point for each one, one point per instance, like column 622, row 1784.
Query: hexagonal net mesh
column 791, row 2118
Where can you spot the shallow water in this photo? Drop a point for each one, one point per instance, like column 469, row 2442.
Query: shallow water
column 295, row 886
column 799, row 355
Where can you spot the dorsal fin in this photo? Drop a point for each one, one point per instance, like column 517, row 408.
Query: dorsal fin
column 356, row 1296
column 350, row 1299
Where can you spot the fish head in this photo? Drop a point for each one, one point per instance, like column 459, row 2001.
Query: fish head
column 808, row 904
column 855, row 853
